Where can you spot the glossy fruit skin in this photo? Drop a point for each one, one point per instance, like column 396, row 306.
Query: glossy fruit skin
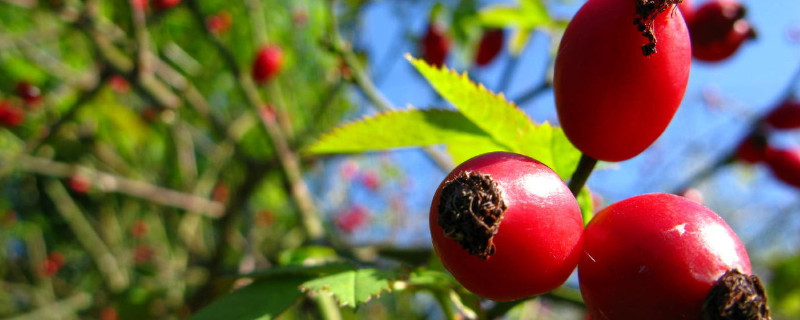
column 490, row 46
column 687, row 9
column 785, row 116
column 434, row 45
column 539, row 237
column 655, row 256
column 267, row 64
column 784, row 164
column 612, row 101
column 718, row 30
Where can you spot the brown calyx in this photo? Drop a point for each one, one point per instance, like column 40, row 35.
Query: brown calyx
column 736, row 296
column 470, row 209
column 646, row 12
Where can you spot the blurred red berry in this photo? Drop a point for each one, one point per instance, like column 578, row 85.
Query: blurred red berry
column 221, row 192
column 490, row 45
column 268, row 63
column 692, row 194
column 10, row 115
column 267, row 113
column 434, row 46
column 142, row 253
column 219, row 23
column 265, row 218
column 785, row 116
column 352, row 219
column 57, row 258
column 139, row 4
column 139, row 228
column 49, row 268
column 349, row 170
column 165, row 4
column 718, row 29
column 108, row 313
column 371, row 180
column 79, row 183
column 785, row 164
column 119, row 84
column 751, row 149
column 30, row 93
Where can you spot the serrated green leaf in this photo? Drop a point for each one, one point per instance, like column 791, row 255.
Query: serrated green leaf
column 397, row 129
column 261, row 300
column 351, row 288
column 430, row 278
column 461, row 152
column 550, row 146
column 498, row 117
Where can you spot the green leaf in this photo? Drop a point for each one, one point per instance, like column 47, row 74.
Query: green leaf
column 495, row 115
column 430, row 278
column 263, row 299
column 397, row 129
column 519, row 39
column 587, row 204
column 530, row 15
column 461, row 152
column 351, row 288
column 550, row 146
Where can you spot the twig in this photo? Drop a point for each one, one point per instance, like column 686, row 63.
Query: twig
column 581, row 174
column 113, row 183
column 115, row 276
column 532, row 93
column 312, row 226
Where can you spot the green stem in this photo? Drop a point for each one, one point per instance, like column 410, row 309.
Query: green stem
column 581, row 174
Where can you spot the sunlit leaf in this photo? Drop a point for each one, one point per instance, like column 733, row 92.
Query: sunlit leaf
column 351, row 288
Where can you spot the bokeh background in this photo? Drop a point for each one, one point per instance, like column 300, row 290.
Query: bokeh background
column 148, row 165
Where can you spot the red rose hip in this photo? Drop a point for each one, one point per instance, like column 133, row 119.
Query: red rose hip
column 784, row 164
column 506, row 226
column 663, row 257
column 267, row 64
column 489, row 47
column 620, row 76
column 434, row 45
column 718, row 29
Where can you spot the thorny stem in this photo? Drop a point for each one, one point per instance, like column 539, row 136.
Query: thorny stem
column 581, row 174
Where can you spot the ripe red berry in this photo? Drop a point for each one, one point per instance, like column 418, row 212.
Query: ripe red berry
column 786, row 115
column 30, row 93
column 57, row 258
column 490, row 45
column 434, row 46
column 506, row 226
column 10, row 115
column 108, row 313
column 615, row 89
column 718, row 30
column 268, row 63
column 784, row 164
column 119, row 84
column 657, row 257
column 371, row 180
column 140, row 4
column 751, row 149
column 139, row 228
column 165, row 4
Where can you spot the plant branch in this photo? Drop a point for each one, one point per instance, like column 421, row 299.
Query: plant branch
column 116, row 277
column 62, row 309
column 112, row 183
column 581, row 174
